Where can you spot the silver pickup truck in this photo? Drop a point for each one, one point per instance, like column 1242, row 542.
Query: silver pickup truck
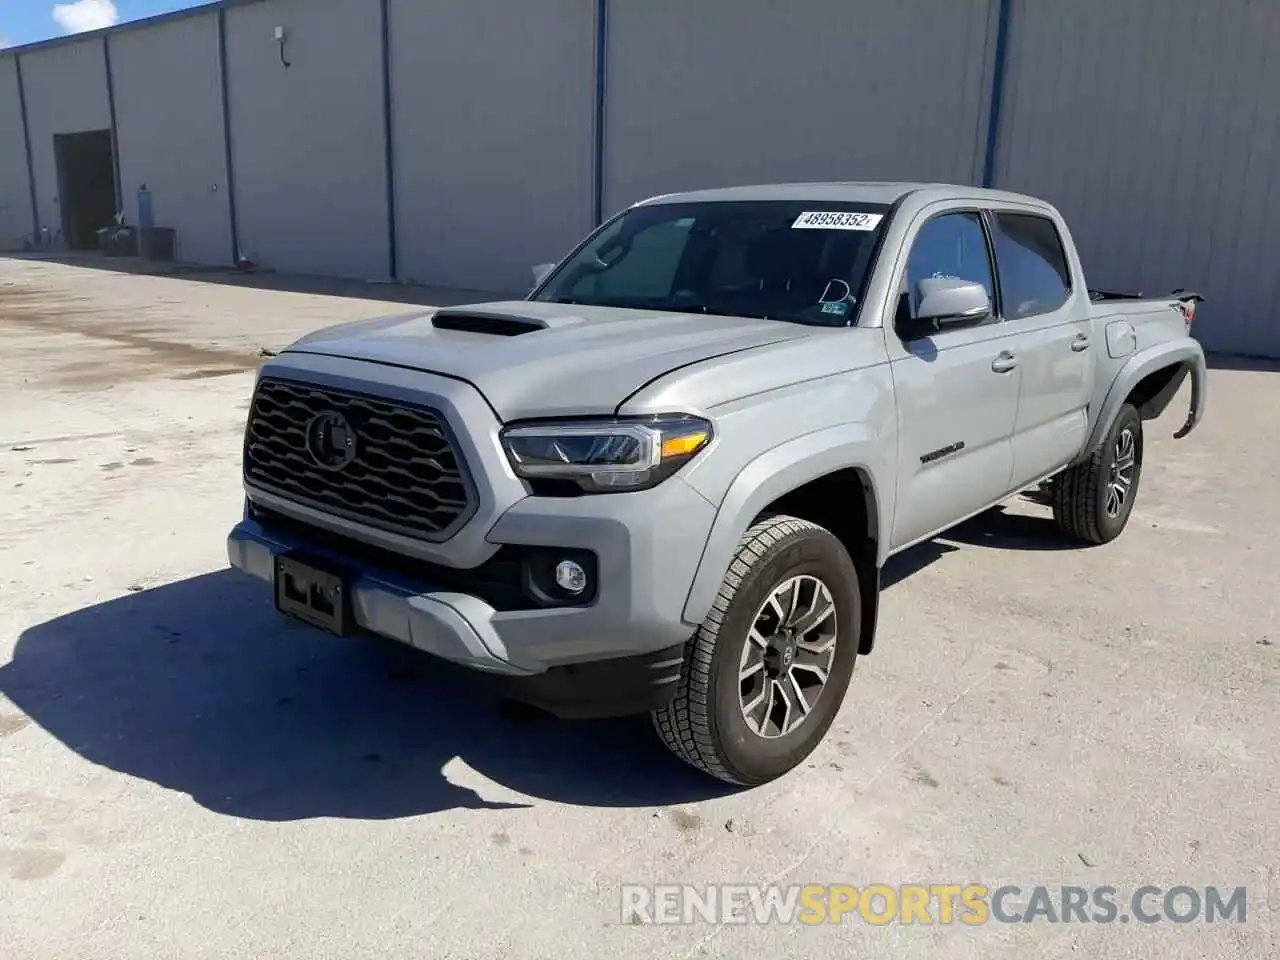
column 667, row 480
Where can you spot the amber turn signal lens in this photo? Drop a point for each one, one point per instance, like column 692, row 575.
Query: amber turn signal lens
column 684, row 445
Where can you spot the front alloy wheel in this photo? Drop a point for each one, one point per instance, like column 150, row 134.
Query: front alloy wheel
column 788, row 657
column 766, row 672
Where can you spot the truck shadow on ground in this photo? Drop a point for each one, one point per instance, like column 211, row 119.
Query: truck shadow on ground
column 1002, row 529
column 200, row 687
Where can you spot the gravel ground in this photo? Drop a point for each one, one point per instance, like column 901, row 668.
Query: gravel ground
column 183, row 774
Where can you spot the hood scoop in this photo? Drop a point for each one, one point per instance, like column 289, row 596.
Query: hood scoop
column 493, row 324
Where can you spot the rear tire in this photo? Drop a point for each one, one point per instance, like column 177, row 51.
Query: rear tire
column 767, row 671
column 1092, row 501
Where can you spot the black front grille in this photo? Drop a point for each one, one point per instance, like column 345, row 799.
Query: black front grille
column 404, row 474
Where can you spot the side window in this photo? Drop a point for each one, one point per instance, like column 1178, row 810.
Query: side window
column 1034, row 276
column 950, row 246
column 647, row 266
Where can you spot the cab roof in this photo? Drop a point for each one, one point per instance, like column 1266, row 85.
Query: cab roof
column 867, row 191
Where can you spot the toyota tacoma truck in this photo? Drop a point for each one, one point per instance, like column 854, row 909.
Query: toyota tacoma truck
column 667, row 480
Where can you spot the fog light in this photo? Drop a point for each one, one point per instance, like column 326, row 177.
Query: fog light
column 570, row 577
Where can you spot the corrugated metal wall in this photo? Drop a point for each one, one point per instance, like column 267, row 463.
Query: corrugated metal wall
column 169, row 121
column 15, row 193
column 493, row 111
column 723, row 92
column 1154, row 125
column 66, row 93
column 1151, row 123
column 307, row 140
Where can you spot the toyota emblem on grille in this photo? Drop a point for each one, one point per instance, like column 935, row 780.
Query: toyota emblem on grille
column 330, row 440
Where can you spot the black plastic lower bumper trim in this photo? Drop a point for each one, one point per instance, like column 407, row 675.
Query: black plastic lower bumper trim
column 602, row 688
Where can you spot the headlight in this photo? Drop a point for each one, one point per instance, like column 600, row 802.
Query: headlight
column 606, row 455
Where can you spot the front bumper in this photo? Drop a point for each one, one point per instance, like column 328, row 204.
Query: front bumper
column 638, row 675
column 647, row 547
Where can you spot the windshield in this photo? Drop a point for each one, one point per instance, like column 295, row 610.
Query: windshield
column 779, row 260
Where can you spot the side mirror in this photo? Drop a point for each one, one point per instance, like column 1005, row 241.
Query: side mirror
column 948, row 301
column 541, row 272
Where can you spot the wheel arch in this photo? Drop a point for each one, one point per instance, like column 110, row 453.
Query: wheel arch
column 1151, row 394
column 1149, row 381
column 833, row 478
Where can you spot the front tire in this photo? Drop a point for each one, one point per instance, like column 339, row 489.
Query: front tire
column 1092, row 501
column 767, row 671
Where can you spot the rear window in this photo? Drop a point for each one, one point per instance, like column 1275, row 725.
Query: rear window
column 799, row 262
column 1034, row 276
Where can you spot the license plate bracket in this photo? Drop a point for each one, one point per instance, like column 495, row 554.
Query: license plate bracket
column 313, row 592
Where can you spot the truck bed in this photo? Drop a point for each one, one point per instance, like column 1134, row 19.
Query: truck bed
column 1111, row 296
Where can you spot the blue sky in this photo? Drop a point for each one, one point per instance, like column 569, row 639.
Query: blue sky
column 26, row 21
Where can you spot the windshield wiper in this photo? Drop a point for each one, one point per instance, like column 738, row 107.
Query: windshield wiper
column 712, row 311
column 664, row 307
column 703, row 308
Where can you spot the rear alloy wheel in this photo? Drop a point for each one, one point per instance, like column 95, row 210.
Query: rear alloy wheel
column 1120, row 474
column 1092, row 501
column 766, row 673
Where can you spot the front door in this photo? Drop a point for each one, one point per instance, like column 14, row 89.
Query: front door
column 1048, row 312
column 957, row 390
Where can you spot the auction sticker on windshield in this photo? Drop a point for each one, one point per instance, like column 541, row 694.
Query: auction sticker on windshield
column 837, row 220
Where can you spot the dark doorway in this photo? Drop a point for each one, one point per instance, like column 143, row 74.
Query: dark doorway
column 86, row 185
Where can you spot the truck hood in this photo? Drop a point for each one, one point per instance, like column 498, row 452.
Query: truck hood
column 543, row 359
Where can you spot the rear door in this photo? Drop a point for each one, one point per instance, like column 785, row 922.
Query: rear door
column 1047, row 312
column 957, row 391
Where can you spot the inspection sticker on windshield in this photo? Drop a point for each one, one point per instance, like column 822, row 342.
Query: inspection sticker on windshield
column 837, row 220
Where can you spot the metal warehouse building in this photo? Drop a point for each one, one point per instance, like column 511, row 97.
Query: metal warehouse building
column 458, row 142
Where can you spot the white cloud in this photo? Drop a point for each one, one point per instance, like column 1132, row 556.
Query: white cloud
column 85, row 15
column 4, row 42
